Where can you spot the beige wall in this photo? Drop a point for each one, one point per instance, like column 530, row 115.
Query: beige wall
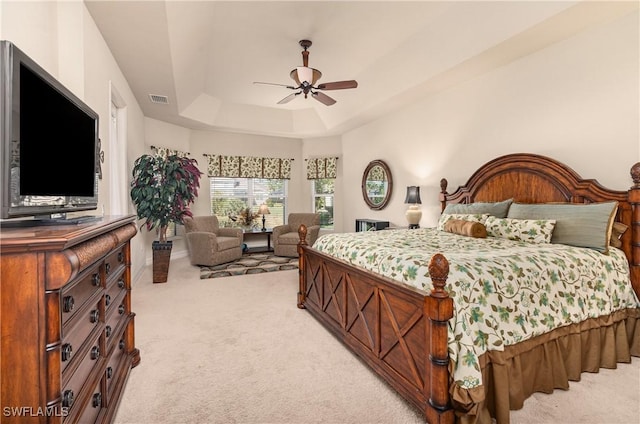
column 577, row 101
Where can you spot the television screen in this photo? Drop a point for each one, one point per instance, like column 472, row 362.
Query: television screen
column 49, row 141
column 53, row 133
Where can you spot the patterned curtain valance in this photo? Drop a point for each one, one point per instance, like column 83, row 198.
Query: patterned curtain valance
column 321, row 168
column 165, row 151
column 377, row 174
column 248, row 167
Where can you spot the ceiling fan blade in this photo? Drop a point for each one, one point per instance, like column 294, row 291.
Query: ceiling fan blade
column 338, row 85
column 273, row 83
column 289, row 98
column 322, row 98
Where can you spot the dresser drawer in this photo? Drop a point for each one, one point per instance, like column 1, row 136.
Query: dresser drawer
column 93, row 408
column 116, row 318
column 116, row 365
column 86, row 364
column 114, row 263
column 114, row 290
column 75, row 294
column 75, row 333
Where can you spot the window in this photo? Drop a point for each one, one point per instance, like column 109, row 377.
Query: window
column 230, row 196
column 322, row 190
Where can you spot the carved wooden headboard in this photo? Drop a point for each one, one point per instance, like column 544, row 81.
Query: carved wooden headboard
column 531, row 178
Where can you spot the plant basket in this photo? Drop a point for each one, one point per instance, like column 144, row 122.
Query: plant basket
column 161, row 260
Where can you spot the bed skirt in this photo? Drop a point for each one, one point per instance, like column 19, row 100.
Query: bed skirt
column 547, row 362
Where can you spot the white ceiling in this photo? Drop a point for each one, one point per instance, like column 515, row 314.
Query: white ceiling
column 206, row 55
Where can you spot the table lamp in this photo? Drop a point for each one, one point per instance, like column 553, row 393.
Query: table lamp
column 414, row 213
column 264, row 210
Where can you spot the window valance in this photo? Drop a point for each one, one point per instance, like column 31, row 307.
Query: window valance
column 377, row 173
column 165, row 151
column 322, row 168
column 248, row 167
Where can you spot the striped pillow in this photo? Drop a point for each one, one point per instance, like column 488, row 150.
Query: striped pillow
column 577, row 224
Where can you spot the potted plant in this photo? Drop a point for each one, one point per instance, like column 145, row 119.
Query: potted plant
column 162, row 189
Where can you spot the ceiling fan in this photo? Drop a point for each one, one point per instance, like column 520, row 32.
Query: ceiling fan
column 306, row 79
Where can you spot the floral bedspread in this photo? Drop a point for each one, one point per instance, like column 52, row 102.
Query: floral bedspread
column 504, row 291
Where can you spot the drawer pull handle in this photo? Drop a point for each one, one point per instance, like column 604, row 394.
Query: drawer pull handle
column 95, row 353
column 68, row 303
column 107, row 300
column 95, row 280
column 120, row 257
column 121, row 344
column 121, row 309
column 109, row 372
column 94, row 316
column 67, row 398
column 108, row 330
column 67, row 350
column 97, row 400
column 107, row 268
column 121, row 283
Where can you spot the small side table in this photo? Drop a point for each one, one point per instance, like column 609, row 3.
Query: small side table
column 249, row 234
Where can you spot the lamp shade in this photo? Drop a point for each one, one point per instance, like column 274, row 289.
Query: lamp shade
column 264, row 210
column 304, row 73
column 413, row 195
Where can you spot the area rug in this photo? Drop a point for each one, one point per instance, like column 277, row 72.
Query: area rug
column 255, row 263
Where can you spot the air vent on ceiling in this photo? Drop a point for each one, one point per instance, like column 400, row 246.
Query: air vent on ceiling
column 156, row 98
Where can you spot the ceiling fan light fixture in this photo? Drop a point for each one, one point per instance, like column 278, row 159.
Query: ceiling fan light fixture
column 306, row 78
column 304, row 73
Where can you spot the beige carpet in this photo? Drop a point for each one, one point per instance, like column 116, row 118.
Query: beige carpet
column 237, row 350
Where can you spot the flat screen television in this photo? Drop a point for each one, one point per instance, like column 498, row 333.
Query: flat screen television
column 48, row 147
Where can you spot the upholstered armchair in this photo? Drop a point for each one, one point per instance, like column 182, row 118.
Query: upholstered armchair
column 209, row 244
column 285, row 237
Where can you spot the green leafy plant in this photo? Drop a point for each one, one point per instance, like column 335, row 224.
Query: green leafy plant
column 163, row 188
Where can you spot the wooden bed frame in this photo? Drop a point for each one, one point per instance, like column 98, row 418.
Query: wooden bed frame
column 400, row 331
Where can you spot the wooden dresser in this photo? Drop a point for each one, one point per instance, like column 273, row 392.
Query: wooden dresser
column 67, row 330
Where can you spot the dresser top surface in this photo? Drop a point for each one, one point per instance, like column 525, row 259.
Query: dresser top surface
column 47, row 237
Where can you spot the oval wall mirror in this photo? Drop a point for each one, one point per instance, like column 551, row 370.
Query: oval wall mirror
column 377, row 184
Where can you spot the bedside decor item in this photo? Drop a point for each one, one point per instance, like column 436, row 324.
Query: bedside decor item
column 377, row 184
column 264, row 210
column 163, row 187
column 414, row 213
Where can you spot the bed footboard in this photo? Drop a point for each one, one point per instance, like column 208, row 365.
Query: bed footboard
column 399, row 331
